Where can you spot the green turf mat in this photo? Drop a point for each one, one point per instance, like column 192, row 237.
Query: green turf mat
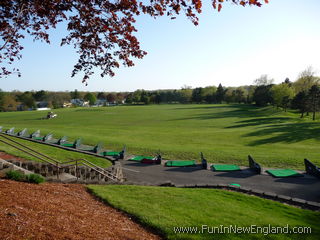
column 110, row 153
column 180, row 163
column 225, row 167
column 67, row 144
column 234, row 184
column 140, row 158
column 284, row 173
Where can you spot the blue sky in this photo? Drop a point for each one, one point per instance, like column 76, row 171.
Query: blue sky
column 233, row 47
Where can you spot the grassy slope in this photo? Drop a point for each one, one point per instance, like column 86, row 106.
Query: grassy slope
column 225, row 133
column 56, row 153
column 164, row 208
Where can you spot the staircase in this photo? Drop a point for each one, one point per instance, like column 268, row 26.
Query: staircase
column 78, row 170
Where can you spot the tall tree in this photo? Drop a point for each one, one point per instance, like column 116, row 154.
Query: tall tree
column 300, row 102
column 101, row 31
column 8, row 103
column 145, row 98
column 27, row 99
column 75, row 94
column 102, row 96
column 306, row 80
column 314, row 95
column 282, row 95
column 91, row 98
column 197, row 95
column 263, row 80
column 111, row 97
column 40, row 95
column 262, row 95
column 220, row 93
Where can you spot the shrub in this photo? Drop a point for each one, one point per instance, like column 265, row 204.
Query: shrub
column 35, row 178
column 15, row 175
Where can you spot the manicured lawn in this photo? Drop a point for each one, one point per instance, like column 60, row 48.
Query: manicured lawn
column 224, row 133
column 164, row 208
column 56, row 153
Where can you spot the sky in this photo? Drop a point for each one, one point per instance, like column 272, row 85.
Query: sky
column 233, row 47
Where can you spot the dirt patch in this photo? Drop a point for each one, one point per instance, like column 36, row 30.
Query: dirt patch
column 6, row 156
column 61, row 211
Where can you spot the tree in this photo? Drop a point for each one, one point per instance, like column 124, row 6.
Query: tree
column 129, row 98
column 184, row 95
column 306, row 80
column 119, row 98
column 220, row 93
column 262, row 95
column 145, row 98
column 27, row 99
column 197, row 95
column 40, row 95
column 57, row 99
column 300, row 102
column 263, row 80
column 101, row 31
column 111, row 98
column 8, row 103
column 229, row 95
column 209, row 94
column 75, row 94
column 282, row 95
column 314, row 96
column 102, row 96
column 91, row 98
column 240, row 95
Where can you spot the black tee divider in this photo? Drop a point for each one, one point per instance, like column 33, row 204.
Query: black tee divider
column 62, row 140
column 204, row 163
column 77, row 143
column 35, row 134
column 47, row 137
column 10, row 131
column 23, row 133
column 98, row 148
column 254, row 166
column 311, row 168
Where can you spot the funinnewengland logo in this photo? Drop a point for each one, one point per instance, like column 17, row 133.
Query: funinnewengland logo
column 235, row 229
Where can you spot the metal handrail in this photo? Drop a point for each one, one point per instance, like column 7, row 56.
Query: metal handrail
column 56, row 163
column 41, row 154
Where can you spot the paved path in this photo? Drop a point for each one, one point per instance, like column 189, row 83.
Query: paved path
column 307, row 187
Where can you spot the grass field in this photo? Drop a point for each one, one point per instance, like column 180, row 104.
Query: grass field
column 224, row 133
column 164, row 208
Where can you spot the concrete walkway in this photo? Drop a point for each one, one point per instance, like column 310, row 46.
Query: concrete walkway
column 307, row 187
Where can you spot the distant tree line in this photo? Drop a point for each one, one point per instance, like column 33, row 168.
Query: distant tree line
column 302, row 95
column 29, row 100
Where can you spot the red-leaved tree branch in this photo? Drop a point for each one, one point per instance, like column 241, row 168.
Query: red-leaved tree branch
column 102, row 32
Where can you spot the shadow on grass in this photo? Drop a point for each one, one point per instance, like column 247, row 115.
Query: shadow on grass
column 231, row 111
column 286, row 133
column 261, row 121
